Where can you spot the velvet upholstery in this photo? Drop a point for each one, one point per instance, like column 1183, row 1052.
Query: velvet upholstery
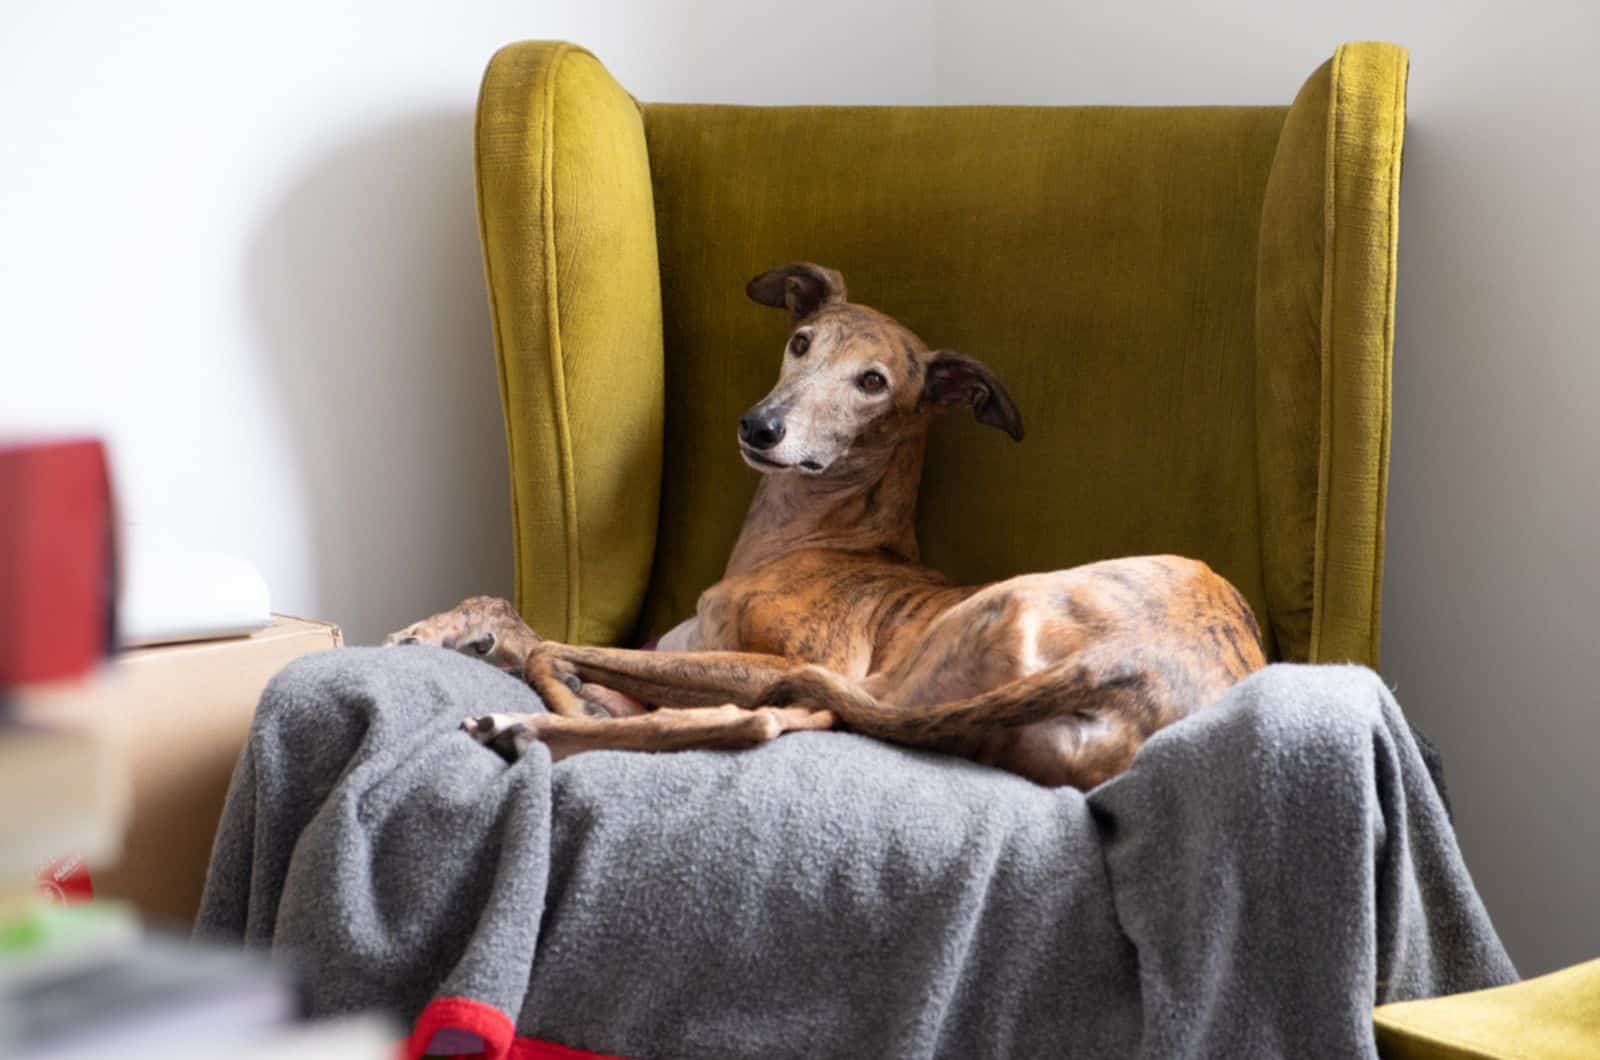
column 569, row 252
column 1192, row 307
column 1553, row 1017
column 1324, row 337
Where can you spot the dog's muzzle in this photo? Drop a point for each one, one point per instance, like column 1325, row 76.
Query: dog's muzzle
column 761, row 429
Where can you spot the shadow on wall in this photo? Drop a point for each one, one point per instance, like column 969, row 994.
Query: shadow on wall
column 366, row 284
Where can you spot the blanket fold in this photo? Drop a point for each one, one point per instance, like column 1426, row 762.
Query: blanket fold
column 1265, row 872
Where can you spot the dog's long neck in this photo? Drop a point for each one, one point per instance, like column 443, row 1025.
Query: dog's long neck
column 871, row 508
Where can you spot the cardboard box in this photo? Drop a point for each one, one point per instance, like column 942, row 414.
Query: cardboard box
column 185, row 710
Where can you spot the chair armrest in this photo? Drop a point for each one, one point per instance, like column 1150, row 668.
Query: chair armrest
column 1555, row 1015
column 568, row 230
column 1325, row 342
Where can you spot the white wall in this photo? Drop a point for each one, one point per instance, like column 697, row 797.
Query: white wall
column 240, row 242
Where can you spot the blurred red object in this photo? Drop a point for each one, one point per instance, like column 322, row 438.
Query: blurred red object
column 57, row 561
column 65, row 881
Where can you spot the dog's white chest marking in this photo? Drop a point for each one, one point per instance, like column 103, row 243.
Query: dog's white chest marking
column 681, row 637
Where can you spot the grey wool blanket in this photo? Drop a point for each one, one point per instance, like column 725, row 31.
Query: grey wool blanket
column 1265, row 873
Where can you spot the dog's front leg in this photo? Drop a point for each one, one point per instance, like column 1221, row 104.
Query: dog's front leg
column 484, row 627
column 666, row 679
column 725, row 727
column 490, row 629
column 578, row 682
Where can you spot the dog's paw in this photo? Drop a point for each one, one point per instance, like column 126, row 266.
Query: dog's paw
column 507, row 735
column 482, row 627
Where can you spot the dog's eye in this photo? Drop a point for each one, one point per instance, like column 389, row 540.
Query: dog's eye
column 799, row 345
column 872, row 382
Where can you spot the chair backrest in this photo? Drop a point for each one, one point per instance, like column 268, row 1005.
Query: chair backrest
column 1194, row 320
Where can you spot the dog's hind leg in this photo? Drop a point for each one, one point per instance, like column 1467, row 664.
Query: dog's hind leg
column 1075, row 722
column 724, row 727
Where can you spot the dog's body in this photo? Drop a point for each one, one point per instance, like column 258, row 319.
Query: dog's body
column 824, row 613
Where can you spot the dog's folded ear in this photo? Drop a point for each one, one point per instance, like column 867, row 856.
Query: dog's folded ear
column 951, row 379
column 800, row 287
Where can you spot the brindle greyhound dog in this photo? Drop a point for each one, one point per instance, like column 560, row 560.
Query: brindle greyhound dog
column 825, row 617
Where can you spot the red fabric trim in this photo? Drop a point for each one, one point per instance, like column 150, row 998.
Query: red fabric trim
column 536, row 1049
column 464, row 1014
column 490, row 1024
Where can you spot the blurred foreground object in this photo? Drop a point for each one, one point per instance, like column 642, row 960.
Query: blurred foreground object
column 63, row 803
column 57, row 561
column 63, row 788
column 84, row 982
column 172, row 594
column 185, row 710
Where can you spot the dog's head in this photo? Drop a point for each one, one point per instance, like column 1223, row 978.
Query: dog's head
column 853, row 380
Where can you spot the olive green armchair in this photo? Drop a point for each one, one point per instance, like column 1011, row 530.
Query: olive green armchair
column 1194, row 308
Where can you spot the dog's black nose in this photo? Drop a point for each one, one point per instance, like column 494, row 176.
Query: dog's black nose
column 760, row 430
